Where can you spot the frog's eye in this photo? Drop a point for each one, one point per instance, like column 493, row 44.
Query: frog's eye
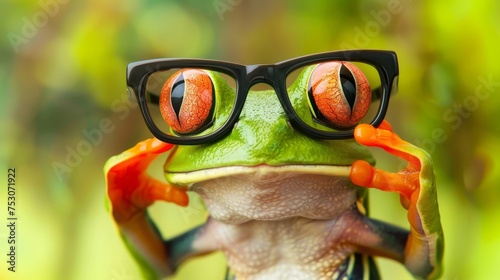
column 339, row 94
column 187, row 101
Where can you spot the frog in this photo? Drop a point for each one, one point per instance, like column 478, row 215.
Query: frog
column 281, row 204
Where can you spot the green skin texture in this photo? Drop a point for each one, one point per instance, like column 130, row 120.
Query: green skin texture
column 263, row 136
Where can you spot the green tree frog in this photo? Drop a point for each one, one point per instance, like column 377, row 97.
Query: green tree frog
column 281, row 204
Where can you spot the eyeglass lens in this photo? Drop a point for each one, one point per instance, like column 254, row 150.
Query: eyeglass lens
column 328, row 96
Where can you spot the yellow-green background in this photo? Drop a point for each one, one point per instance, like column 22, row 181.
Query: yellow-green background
column 68, row 74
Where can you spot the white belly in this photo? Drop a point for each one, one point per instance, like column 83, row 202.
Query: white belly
column 275, row 196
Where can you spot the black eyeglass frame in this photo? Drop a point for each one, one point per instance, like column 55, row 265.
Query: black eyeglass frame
column 272, row 74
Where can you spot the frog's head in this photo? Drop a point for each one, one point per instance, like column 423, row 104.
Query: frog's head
column 262, row 143
column 262, row 137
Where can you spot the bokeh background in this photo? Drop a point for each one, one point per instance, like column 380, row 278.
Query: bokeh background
column 62, row 73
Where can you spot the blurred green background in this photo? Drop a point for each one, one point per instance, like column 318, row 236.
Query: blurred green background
column 62, row 72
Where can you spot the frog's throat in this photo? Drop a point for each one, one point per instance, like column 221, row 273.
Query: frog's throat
column 191, row 177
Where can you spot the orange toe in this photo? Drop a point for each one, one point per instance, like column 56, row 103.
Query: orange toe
column 365, row 134
column 362, row 173
column 385, row 125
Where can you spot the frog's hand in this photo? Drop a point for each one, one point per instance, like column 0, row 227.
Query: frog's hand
column 424, row 249
column 130, row 191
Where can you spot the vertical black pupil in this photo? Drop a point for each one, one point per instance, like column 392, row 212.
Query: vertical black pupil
column 348, row 85
column 177, row 94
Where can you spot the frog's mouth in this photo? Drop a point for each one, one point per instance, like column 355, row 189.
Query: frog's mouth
column 259, row 172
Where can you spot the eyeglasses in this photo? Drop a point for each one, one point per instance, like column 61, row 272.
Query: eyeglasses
column 198, row 101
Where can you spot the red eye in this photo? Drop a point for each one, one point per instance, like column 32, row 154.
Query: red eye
column 339, row 94
column 187, row 101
